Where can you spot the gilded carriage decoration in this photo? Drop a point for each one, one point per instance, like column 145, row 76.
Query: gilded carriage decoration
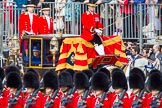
column 39, row 51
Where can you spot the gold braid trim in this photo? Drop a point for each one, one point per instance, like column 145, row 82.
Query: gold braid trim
column 61, row 48
column 118, row 63
column 111, row 41
column 66, row 65
column 78, row 67
column 122, row 54
column 77, row 40
column 79, row 48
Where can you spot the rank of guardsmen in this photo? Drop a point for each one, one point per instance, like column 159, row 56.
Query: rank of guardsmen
column 85, row 89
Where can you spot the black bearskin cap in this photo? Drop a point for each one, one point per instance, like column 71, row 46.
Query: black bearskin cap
column 81, row 81
column 104, row 70
column 139, row 72
column 137, row 78
column 1, row 87
column 116, row 69
column 72, row 72
column 89, row 73
column 14, row 80
column 119, row 79
column 33, row 71
column 50, row 80
column 136, row 81
column 65, row 79
column 11, row 69
column 153, row 71
column 2, row 75
column 100, row 81
column 31, row 80
column 155, row 81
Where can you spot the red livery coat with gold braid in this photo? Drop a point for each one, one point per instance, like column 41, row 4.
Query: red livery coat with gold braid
column 43, row 25
column 24, row 25
column 85, row 53
column 89, row 22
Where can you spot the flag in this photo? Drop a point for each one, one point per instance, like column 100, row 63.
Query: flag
column 78, row 54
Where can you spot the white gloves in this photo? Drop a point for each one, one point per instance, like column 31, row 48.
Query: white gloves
column 98, row 31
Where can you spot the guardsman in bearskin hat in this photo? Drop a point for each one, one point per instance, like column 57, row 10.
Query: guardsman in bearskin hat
column 15, row 98
column 34, row 98
column 51, row 84
column 33, row 71
column 66, row 86
column 28, row 22
column 153, row 99
column 10, row 69
column 7, row 71
column 119, row 83
column 72, row 72
column 92, row 28
column 88, row 93
column 89, row 73
column 137, row 84
column 100, row 85
column 104, row 70
column 45, row 21
column 81, row 83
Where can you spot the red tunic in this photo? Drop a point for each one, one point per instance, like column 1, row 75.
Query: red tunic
column 135, row 97
column 4, row 98
column 149, row 98
column 20, row 101
column 43, row 25
column 92, row 101
column 74, row 101
column 89, row 22
column 63, row 95
column 39, row 101
column 4, row 94
column 57, row 101
column 1, row 102
column 24, row 25
column 125, row 100
column 77, row 98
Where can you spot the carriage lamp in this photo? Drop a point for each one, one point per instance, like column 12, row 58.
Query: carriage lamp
column 15, row 42
column 16, row 47
column 54, row 48
column 159, row 39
